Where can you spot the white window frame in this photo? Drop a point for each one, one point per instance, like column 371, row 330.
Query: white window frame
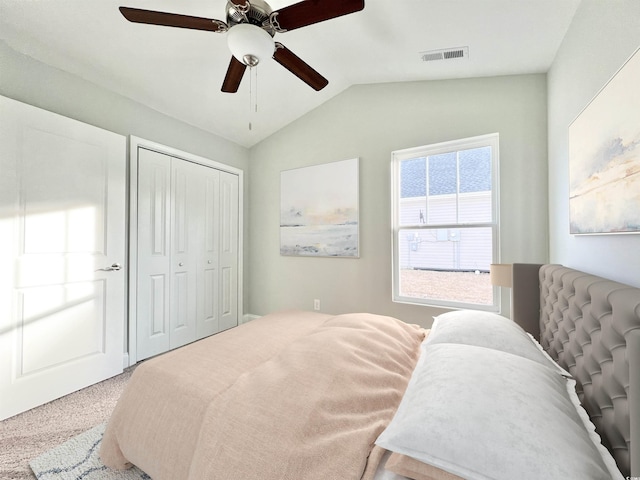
column 490, row 140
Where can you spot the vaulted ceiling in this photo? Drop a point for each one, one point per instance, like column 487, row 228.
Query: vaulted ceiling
column 179, row 72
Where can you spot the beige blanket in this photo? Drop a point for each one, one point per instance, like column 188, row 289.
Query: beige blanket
column 295, row 395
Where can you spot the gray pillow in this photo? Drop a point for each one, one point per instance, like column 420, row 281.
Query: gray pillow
column 489, row 330
column 485, row 414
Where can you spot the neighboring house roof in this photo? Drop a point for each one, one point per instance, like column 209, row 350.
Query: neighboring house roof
column 475, row 173
column 413, row 174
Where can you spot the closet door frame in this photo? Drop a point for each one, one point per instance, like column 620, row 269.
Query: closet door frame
column 134, row 144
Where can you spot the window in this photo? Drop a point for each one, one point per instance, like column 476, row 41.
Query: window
column 445, row 223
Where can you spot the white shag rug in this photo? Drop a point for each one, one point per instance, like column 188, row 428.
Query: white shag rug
column 78, row 459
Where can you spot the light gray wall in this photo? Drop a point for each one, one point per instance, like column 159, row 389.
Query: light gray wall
column 371, row 121
column 602, row 36
column 27, row 80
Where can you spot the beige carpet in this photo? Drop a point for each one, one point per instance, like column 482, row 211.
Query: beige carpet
column 32, row 433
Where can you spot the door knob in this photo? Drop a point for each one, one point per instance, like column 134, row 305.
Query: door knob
column 181, row 264
column 113, row 268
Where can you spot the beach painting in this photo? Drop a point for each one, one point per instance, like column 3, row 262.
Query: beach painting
column 604, row 158
column 319, row 210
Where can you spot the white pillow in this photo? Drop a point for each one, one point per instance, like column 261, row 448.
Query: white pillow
column 489, row 330
column 485, row 414
column 607, row 458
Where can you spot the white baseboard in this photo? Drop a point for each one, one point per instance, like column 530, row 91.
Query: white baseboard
column 248, row 317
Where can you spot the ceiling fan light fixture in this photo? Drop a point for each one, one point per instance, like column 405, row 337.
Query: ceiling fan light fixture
column 250, row 44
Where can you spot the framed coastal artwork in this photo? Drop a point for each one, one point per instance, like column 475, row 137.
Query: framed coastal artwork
column 604, row 157
column 319, row 210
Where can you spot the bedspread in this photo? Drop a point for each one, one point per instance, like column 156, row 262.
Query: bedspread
column 290, row 396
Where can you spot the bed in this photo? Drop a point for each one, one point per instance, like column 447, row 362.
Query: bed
column 305, row 395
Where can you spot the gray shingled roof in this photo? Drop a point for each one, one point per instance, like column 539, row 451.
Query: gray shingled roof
column 475, row 173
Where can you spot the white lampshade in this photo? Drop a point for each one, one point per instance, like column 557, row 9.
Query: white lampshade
column 500, row 275
column 250, row 44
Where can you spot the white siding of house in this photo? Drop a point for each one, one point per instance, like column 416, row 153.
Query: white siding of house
column 446, row 248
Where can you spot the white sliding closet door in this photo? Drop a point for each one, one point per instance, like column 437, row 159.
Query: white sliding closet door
column 62, row 254
column 187, row 252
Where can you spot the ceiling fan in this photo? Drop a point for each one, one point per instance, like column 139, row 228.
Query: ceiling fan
column 251, row 26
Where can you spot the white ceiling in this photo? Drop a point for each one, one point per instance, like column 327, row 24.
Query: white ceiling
column 179, row 72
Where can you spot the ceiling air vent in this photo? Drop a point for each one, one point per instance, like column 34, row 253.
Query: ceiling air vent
column 445, row 54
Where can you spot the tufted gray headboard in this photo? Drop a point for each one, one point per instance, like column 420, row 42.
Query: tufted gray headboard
column 591, row 327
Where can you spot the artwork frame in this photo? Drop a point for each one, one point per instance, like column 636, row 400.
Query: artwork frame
column 319, row 210
column 604, row 157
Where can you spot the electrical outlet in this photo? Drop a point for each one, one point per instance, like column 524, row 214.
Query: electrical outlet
column 316, row 305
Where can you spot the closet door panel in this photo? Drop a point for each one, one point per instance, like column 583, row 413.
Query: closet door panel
column 154, row 253
column 228, row 250
column 208, row 271
column 187, row 211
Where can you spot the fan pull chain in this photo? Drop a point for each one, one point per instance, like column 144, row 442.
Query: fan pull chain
column 253, row 93
column 256, row 102
column 250, row 94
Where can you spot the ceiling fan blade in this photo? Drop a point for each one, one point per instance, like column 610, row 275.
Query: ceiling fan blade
column 172, row 20
column 234, row 76
column 298, row 67
column 309, row 12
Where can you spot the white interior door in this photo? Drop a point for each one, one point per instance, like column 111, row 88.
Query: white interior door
column 62, row 227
